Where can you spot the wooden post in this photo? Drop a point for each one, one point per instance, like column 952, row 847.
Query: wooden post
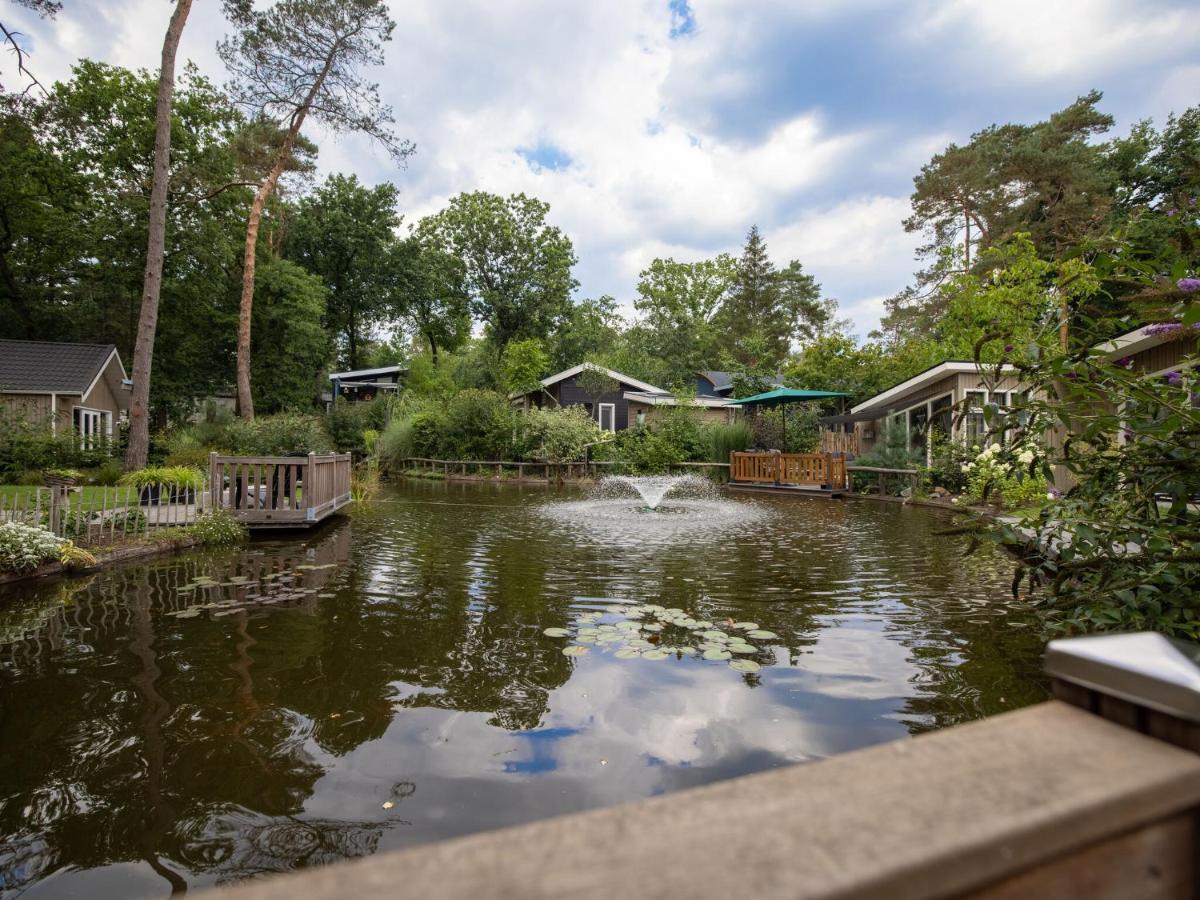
column 310, row 486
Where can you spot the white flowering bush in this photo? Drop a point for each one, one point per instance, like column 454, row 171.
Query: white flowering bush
column 25, row 547
column 1006, row 476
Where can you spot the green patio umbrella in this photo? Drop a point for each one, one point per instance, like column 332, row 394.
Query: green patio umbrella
column 784, row 397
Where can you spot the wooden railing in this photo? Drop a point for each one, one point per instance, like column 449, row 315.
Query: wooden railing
column 280, row 490
column 802, row 469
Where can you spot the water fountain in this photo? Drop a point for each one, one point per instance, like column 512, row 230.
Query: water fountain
column 650, row 511
column 653, row 488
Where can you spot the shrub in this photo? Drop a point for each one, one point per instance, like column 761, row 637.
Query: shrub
column 25, row 547
column 796, row 431
column 26, row 445
column 680, row 427
column 726, row 439
column 891, row 452
column 75, row 557
column 1005, row 476
column 946, row 460
column 185, row 477
column 278, row 434
column 105, row 475
column 219, row 528
column 347, row 422
column 557, row 435
column 477, row 425
column 194, row 456
column 643, row 452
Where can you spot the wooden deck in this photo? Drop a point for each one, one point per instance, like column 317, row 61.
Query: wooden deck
column 280, row 491
column 820, row 474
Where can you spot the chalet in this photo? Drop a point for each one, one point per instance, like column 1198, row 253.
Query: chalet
column 71, row 386
column 934, row 398
column 624, row 403
column 366, row 384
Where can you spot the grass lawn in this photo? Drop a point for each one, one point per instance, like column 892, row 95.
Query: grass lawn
column 90, row 493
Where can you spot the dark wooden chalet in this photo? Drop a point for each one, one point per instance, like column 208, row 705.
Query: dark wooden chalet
column 366, row 384
column 613, row 410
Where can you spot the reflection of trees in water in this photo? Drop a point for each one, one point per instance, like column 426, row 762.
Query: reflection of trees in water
column 233, row 843
column 116, row 721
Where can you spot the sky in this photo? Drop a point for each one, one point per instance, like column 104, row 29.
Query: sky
column 669, row 127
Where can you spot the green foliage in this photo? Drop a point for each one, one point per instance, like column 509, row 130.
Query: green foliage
column 25, row 547
column 947, row 459
column 644, row 452
column 726, row 439
column 27, row 445
column 343, row 233
column 277, row 435
column 1121, row 549
column 348, row 424
column 590, row 329
column 835, row 362
column 107, row 474
column 681, row 426
column 891, row 451
column 427, row 287
column 1005, row 476
column 289, row 348
column 73, row 557
column 523, row 364
column 183, row 477
column 218, row 529
column 793, row 428
column 518, row 267
column 557, row 435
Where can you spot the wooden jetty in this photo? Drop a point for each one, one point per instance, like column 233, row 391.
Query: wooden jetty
column 280, row 491
column 815, row 474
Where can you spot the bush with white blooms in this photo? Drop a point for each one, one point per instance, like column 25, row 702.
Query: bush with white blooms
column 25, row 547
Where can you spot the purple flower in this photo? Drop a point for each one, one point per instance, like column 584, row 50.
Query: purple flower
column 1125, row 362
column 1008, row 348
column 1054, row 492
column 1172, row 212
column 1162, row 328
column 1071, row 376
column 1188, row 285
column 1174, row 378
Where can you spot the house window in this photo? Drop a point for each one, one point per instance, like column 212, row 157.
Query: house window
column 918, row 423
column 974, row 426
column 607, row 416
column 942, row 415
column 94, row 427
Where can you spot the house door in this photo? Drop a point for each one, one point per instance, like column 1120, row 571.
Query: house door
column 607, row 416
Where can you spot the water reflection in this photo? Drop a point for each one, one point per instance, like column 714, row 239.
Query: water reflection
column 387, row 682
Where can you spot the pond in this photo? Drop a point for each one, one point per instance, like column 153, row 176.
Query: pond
column 388, row 681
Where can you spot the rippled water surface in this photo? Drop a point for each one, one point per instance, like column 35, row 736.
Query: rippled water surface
column 387, row 681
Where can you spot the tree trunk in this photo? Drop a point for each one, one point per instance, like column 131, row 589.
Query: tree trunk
column 432, row 347
column 245, row 400
column 143, row 348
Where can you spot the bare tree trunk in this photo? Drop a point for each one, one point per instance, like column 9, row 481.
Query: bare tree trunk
column 245, row 399
column 143, row 348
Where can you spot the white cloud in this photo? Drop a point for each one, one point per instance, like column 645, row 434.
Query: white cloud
column 654, row 169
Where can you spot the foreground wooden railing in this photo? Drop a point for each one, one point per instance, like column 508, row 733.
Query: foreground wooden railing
column 280, row 490
column 801, row 469
column 1049, row 801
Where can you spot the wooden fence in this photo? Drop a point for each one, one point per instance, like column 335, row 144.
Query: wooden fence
column 543, row 471
column 798, row 469
column 102, row 515
column 281, row 491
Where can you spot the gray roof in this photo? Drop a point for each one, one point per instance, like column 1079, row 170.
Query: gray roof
column 723, row 381
column 47, row 367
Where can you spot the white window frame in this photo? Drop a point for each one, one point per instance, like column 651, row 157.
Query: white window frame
column 612, row 416
column 90, row 423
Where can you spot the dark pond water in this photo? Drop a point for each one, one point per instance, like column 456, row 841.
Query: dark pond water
column 387, row 682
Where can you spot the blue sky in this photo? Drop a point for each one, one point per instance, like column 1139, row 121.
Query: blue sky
column 668, row 127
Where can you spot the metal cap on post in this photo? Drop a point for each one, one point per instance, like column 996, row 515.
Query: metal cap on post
column 1143, row 680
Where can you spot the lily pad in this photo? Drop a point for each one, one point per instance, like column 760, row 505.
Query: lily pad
column 555, row 632
column 716, row 636
column 655, row 654
column 717, row 654
column 744, row 665
column 574, row 650
column 761, row 634
column 627, row 653
column 741, row 648
column 586, row 638
column 608, row 628
column 629, row 626
column 746, row 626
column 652, row 628
column 687, row 651
column 619, row 610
